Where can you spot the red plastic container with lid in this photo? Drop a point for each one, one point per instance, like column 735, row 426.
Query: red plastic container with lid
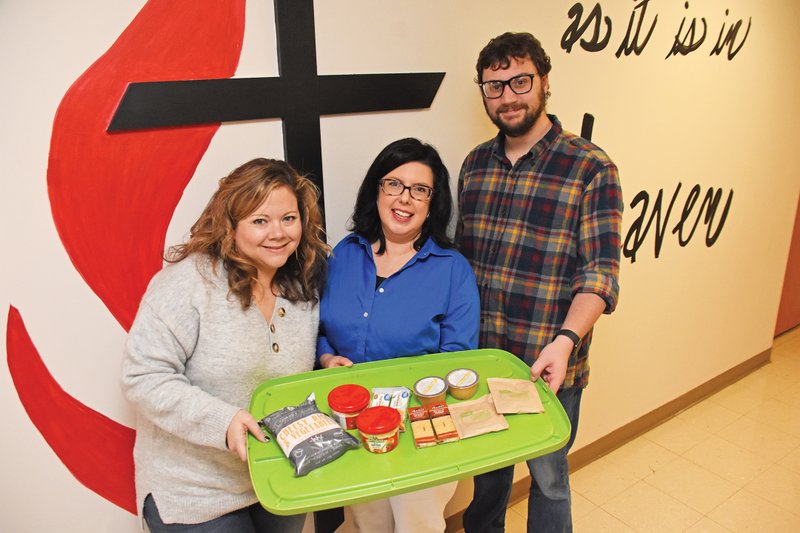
column 347, row 402
column 379, row 428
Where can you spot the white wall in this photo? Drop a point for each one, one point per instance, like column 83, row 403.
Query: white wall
column 683, row 318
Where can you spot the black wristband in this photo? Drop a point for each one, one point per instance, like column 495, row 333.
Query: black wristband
column 571, row 335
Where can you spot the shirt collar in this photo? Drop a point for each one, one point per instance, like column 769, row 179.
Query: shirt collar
column 429, row 248
column 499, row 142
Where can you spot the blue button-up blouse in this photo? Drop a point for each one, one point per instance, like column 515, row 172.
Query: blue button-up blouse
column 430, row 305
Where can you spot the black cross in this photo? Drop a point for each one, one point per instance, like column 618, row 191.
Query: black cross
column 299, row 95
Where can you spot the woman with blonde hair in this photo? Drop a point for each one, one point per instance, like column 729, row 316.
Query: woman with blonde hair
column 236, row 305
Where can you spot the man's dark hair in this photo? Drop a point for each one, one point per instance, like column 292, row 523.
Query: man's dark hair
column 365, row 219
column 498, row 53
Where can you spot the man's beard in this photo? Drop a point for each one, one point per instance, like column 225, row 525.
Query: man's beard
column 527, row 122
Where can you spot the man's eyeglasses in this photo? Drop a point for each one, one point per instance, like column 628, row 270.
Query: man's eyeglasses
column 394, row 187
column 518, row 84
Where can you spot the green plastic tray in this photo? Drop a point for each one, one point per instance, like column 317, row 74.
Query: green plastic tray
column 359, row 475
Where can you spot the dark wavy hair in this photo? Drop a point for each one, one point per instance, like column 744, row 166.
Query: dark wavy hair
column 498, row 53
column 365, row 219
column 239, row 194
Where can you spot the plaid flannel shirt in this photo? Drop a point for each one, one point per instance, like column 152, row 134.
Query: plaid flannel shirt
column 536, row 234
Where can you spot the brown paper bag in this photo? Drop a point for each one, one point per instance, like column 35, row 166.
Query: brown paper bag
column 512, row 396
column 477, row 417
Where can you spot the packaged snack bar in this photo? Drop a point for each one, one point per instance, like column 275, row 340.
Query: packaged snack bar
column 421, row 427
column 396, row 397
column 308, row 437
column 442, row 423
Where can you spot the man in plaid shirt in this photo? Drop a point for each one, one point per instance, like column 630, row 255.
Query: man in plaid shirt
column 540, row 219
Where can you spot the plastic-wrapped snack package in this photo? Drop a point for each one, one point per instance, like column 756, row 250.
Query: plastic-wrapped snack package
column 396, row 397
column 421, row 427
column 308, row 437
column 442, row 423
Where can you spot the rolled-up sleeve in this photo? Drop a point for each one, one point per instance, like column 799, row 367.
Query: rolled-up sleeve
column 599, row 242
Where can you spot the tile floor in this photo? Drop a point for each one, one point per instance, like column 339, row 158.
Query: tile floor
column 728, row 463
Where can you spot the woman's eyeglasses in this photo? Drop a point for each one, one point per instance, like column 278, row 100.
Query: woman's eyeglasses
column 395, row 187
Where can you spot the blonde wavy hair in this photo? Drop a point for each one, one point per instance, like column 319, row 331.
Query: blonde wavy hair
column 240, row 193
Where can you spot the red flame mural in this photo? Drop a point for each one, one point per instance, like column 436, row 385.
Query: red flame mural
column 112, row 198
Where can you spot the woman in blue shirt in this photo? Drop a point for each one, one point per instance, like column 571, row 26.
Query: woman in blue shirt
column 396, row 287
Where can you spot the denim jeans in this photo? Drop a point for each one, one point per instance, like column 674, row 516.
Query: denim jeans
column 252, row 519
column 549, row 502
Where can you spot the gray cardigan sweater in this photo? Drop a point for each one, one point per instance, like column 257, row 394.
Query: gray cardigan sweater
column 192, row 360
